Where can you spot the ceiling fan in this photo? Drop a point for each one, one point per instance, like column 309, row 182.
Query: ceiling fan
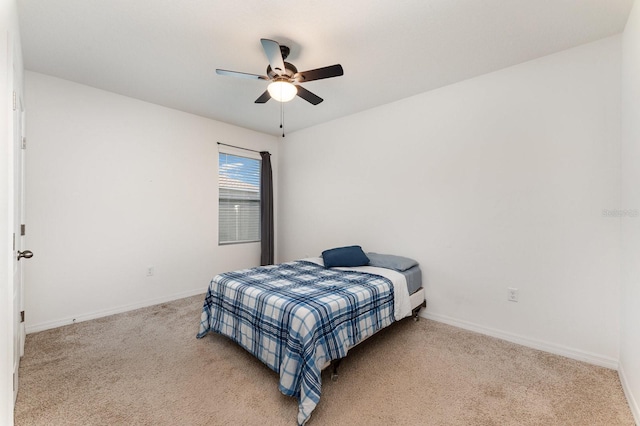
column 285, row 77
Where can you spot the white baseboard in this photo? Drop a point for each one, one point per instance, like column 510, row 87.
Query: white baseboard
column 553, row 348
column 633, row 404
column 34, row 328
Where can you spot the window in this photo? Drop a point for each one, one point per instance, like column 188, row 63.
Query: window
column 239, row 199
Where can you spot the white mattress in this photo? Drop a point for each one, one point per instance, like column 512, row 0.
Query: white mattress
column 417, row 298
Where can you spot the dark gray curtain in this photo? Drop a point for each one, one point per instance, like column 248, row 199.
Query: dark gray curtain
column 266, row 210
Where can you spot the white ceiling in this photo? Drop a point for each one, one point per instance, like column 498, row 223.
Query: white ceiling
column 166, row 51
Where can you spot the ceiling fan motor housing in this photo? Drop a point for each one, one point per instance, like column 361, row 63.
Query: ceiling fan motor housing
column 289, row 71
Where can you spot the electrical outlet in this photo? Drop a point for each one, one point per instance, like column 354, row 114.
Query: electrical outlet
column 512, row 294
column 150, row 271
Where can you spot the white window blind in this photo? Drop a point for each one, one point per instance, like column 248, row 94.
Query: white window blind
column 239, row 199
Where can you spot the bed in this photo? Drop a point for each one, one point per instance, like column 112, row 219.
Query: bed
column 299, row 317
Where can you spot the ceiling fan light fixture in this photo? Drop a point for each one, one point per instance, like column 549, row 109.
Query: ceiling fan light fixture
column 282, row 91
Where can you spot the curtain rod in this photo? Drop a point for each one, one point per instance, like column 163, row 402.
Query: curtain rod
column 239, row 147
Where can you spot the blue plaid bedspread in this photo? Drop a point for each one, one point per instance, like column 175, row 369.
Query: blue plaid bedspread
column 296, row 317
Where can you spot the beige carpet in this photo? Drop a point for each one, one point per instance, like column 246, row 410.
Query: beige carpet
column 147, row 368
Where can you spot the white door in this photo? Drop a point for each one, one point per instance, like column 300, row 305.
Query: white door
column 23, row 185
column 18, row 232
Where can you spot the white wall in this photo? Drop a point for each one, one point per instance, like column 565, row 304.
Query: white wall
column 115, row 185
column 10, row 78
column 498, row 181
column 630, row 235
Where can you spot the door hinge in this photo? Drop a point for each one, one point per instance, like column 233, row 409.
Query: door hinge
column 14, row 101
column 14, row 241
column 24, row 143
column 23, row 229
column 21, row 316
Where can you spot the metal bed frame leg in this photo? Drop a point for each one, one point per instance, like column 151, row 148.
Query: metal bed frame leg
column 415, row 312
column 334, row 369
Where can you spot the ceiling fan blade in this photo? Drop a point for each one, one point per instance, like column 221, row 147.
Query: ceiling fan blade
column 274, row 55
column 263, row 98
column 241, row 74
column 319, row 73
column 308, row 96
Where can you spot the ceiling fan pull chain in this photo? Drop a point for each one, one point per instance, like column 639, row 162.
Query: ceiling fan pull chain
column 282, row 117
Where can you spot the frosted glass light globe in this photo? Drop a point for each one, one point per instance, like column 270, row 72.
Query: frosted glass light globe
column 282, row 91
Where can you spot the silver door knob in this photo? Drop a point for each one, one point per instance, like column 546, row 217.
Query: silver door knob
column 27, row 254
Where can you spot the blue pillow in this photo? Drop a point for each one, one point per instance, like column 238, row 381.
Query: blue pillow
column 389, row 261
column 345, row 256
